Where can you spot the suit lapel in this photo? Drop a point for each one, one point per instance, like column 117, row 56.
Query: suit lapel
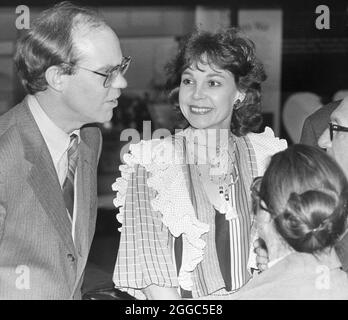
column 42, row 176
column 85, row 173
column 83, row 197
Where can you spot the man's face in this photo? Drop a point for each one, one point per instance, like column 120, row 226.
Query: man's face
column 84, row 96
column 338, row 147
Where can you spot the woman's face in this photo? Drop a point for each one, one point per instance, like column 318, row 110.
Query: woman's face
column 206, row 96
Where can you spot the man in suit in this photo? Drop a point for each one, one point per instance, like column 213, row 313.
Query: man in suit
column 72, row 66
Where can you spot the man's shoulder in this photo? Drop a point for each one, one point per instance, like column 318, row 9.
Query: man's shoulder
column 324, row 112
column 10, row 140
column 8, row 119
column 9, row 125
column 9, row 130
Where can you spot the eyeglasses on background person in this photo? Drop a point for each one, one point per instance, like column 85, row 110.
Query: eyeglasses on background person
column 255, row 195
column 335, row 127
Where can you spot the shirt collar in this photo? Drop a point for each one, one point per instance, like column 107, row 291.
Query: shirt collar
column 275, row 261
column 56, row 139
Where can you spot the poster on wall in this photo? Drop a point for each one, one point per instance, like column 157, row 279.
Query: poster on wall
column 264, row 27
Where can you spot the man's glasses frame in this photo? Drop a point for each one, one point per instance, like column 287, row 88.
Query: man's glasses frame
column 113, row 73
column 255, row 193
column 335, row 127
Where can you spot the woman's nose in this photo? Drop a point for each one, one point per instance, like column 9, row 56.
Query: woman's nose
column 198, row 92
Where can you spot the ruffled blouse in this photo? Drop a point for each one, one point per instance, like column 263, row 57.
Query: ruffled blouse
column 155, row 202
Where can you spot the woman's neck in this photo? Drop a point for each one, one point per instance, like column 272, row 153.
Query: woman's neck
column 216, row 139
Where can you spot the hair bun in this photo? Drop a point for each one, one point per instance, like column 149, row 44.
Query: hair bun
column 307, row 222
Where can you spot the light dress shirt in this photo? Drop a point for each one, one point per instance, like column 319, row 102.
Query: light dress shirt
column 57, row 142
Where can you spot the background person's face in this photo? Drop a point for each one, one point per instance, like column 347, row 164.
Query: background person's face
column 338, row 147
column 85, row 96
column 207, row 96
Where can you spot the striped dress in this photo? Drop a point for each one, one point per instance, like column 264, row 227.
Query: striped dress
column 172, row 236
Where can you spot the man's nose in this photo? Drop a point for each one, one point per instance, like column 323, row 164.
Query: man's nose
column 324, row 141
column 119, row 82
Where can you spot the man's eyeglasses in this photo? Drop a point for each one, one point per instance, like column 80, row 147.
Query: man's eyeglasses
column 113, row 73
column 255, row 187
column 335, row 127
column 255, row 194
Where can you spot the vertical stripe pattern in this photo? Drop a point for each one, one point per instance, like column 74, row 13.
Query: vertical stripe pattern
column 144, row 256
column 68, row 185
column 145, row 253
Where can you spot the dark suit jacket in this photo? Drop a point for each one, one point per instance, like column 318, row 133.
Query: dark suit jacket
column 38, row 258
column 313, row 128
column 316, row 123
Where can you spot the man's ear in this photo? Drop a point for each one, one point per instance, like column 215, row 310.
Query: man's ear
column 55, row 78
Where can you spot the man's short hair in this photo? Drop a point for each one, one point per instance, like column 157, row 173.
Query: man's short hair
column 50, row 42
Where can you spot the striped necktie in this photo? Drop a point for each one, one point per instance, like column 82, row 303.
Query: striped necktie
column 68, row 185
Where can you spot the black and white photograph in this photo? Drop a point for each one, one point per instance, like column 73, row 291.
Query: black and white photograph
column 187, row 151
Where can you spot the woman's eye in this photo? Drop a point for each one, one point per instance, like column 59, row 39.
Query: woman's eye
column 213, row 83
column 186, row 81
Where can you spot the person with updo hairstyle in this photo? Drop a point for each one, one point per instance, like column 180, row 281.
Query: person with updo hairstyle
column 184, row 201
column 301, row 212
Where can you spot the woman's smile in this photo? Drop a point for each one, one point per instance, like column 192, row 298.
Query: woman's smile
column 200, row 110
column 206, row 96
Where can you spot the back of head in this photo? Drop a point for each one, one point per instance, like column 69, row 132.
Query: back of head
column 306, row 193
column 50, row 42
column 230, row 50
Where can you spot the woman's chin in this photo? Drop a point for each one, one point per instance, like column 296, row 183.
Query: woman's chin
column 199, row 125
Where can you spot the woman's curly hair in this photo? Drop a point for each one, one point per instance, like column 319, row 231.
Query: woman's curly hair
column 226, row 49
column 306, row 193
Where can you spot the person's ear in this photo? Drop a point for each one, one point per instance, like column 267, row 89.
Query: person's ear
column 239, row 98
column 55, row 78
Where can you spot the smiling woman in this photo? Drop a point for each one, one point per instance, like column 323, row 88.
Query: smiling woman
column 206, row 96
column 186, row 208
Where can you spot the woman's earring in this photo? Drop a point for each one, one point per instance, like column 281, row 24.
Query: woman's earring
column 237, row 104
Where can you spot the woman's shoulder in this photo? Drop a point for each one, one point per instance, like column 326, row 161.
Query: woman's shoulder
column 267, row 141
column 265, row 145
